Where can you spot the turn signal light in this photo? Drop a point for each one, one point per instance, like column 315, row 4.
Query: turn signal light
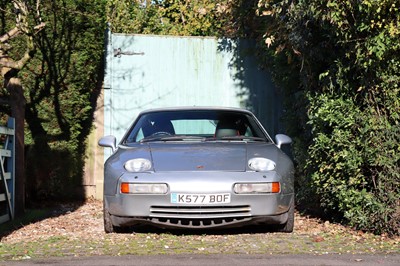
column 143, row 188
column 249, row 188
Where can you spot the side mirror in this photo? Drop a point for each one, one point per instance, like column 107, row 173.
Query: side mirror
column 108, row 142
column 282, row 139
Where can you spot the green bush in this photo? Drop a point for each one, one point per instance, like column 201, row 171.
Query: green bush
column 354, row 164
column 345, row 56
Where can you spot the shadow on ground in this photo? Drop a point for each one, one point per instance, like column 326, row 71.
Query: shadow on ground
column 37, row 213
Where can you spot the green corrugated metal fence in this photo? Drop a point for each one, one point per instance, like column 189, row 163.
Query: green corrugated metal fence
column 147, row 71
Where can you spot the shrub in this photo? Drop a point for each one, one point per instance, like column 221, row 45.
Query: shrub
column 346, row 56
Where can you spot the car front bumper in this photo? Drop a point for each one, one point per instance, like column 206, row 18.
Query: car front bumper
column 243, row 209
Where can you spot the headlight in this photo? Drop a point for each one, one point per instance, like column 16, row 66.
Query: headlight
column 246, row 188
column 135, row 188
column 138, row 165
column 261, row 164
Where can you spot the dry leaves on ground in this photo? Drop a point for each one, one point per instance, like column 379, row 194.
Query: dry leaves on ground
column 86, row 221
column 77, row 230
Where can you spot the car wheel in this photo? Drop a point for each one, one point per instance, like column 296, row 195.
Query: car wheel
column 288, row 226
column 108, row 226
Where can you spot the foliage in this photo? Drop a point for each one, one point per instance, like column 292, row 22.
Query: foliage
column 176, row 17
column 346, row 58
column 64, row 84
column 61, row 85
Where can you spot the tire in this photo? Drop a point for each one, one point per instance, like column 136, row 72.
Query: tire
column 289, row 225
column 108, row 226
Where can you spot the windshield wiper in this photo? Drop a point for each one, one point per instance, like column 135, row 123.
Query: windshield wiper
column 171, row 138
column 244, row 138
column 198, row 138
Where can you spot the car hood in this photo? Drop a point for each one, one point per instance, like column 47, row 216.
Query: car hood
column 199, row 156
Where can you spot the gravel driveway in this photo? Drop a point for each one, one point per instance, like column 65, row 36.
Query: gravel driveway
column 75, row 232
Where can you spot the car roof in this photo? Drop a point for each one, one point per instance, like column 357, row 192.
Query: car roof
column 195, row 108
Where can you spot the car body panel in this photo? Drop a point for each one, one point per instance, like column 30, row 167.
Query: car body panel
column 198, row 156
column 198, row 167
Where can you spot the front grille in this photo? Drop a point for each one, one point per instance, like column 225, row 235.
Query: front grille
column 200, row 212
column 199, row 216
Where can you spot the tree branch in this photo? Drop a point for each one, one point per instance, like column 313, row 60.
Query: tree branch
column 18, row 65
column 9, row 35
column 40, row 26
column 21, row 27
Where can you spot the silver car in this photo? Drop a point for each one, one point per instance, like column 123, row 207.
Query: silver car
column 198, row 168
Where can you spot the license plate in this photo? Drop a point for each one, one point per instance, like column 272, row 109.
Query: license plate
column 200, row 198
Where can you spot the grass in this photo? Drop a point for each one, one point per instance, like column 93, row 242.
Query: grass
column 152, row 244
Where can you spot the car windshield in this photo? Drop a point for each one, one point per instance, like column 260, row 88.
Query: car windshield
column 195, row 125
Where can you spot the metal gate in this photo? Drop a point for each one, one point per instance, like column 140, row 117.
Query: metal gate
column 7, row 164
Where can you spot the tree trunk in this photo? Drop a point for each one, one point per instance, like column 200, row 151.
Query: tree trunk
column 18, row 112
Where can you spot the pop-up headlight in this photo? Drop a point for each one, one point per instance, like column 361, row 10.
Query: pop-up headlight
column 138, row 165
column 260, row 164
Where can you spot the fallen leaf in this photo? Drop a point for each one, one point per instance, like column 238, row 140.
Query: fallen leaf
column 318, row 239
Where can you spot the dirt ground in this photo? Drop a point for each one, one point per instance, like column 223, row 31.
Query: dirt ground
column 71, row 220
column 86, row 220
column 80, row 222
